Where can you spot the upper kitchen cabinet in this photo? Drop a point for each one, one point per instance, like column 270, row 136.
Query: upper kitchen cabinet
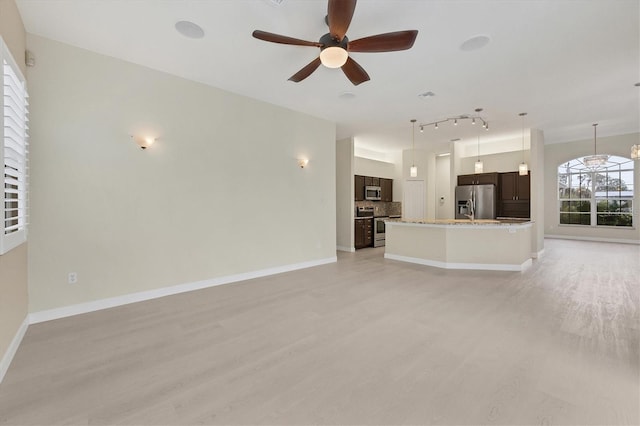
column 361, row 182
column 359, row 188
column 515, row 187
column 386, row 193
column 371, row 181
column 479, row 179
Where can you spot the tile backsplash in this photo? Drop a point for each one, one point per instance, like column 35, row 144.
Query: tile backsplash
column 382, row 208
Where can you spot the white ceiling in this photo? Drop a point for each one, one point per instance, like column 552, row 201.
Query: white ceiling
column 568, row 63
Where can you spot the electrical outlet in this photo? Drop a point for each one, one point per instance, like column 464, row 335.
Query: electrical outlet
column 73, row 277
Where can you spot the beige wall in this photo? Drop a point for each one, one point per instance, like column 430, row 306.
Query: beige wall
column 13, row 265
column 344, row 195
column 443, row 202
column 502, row 162
column 556, row 154
column 220, row 192
column 12, row 31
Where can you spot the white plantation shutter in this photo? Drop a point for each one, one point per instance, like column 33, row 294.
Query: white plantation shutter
column 13, row 152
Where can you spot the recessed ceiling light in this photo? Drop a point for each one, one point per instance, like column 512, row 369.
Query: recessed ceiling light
column 475, row 43
column 426, row 95
column 275, row 2
column 444, row 154
column 189, row 29
column 454, row 140
column 637, row 84
column 347, row 95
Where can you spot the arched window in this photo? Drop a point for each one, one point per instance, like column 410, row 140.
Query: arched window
column 596, row 197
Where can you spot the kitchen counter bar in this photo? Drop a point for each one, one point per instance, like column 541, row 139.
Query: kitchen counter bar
column 502, row 245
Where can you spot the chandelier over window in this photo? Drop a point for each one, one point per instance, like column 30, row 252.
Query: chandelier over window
column 595, row 161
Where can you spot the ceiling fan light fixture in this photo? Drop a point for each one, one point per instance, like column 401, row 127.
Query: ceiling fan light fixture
column 333, row 57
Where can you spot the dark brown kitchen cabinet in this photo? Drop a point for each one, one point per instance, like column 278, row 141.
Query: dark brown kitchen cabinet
column 515, row 195
column 386, row 193
column 360, row 182
column 359, row 188
column 363, row 233
column 515, row 187
column 371, row 181
column 479, row 179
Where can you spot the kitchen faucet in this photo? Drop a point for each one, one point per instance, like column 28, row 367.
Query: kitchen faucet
column 471, row 206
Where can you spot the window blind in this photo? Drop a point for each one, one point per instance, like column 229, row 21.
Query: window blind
column 13, row 152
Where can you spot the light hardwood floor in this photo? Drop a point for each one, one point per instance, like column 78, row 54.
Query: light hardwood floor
column 361, row 341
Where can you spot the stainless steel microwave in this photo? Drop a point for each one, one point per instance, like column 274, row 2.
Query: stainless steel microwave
column 372, row 193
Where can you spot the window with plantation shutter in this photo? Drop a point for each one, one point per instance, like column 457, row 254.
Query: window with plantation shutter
column 13, row 152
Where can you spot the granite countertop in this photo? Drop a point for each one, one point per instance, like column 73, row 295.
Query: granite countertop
column 479, row 222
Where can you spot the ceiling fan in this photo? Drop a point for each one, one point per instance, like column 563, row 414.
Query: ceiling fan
column 335, row 46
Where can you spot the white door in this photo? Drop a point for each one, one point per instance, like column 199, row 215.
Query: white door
column 413, row 199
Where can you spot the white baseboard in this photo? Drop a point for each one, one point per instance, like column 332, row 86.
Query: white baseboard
column 13, row 348
column 596, row 239
column 538, row 254
column 96, row 305
column 446, row 265
column 344, row 248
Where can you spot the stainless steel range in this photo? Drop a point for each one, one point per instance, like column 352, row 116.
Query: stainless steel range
column 379, row 231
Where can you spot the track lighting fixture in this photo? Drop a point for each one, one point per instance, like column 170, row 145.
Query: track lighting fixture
column 455, row 119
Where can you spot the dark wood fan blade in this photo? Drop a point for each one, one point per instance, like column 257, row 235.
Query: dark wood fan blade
column 276, row 38
column 388, row 42
column 306, row 71
column 339, row 14
column 355, row 72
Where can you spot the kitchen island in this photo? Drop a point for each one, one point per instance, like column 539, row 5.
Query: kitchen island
column 461, row 243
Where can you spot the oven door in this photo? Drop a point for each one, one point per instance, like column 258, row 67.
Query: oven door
column 379, row 232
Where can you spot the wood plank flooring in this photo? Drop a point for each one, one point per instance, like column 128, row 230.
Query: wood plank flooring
column 362, row 341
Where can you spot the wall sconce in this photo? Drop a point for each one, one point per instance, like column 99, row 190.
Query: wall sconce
column 143, row 142
column 302, row 162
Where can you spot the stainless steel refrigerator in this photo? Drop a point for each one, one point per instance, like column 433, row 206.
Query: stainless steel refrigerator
column 478, row 201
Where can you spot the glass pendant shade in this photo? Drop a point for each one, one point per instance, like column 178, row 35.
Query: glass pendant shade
column 413, row 171
column 333, row 57
column 523, row 169
column 635, row 152
column 479, row 167
column 595, row 161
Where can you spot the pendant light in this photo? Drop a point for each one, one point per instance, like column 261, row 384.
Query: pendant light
column 479, row 167
column 595, row 161
column 635, row 152
column 523, row 169
column 413, row 171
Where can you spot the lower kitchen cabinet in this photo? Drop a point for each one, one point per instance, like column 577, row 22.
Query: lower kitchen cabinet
column 363, row 233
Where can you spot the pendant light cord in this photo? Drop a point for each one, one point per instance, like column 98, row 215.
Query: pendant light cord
column 413, row 142
column 522, row 114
